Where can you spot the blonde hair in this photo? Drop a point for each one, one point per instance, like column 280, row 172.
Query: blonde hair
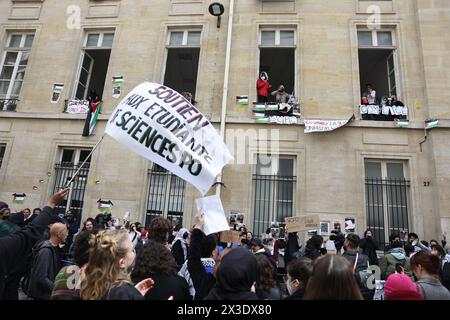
column 103, row 271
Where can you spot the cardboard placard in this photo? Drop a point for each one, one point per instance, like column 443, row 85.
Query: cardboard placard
column 230, row 236
column 305, row 223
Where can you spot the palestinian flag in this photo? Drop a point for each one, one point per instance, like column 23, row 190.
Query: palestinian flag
column 19, row 198
column 91, row 119
column 258, row 115
column 262, row 120
column 401, row 123
column 431, row 123
column 242, row 99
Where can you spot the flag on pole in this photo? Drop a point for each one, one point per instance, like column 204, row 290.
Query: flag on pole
column 91, row 119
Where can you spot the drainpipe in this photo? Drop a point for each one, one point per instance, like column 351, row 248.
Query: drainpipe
column 225, row 87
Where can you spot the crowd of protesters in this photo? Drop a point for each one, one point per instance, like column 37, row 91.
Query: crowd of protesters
column 49, row 258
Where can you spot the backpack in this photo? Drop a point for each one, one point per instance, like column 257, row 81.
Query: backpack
column 362, row 276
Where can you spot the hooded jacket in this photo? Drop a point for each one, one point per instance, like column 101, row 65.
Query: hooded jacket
column 46, row 265
column 263, row 86
column 388, row 262
column 235, row 277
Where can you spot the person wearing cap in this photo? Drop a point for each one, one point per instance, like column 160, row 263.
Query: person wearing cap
column 16, row 247
column 400, row 287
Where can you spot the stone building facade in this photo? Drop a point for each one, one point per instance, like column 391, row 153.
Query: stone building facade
column 384, row 177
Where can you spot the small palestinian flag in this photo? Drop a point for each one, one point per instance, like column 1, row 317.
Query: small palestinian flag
column 431, row 123
column 19, row 198
column 401, row 123
column 242, row 99
column 259, row 107
column 258, row 115
column 104, row 206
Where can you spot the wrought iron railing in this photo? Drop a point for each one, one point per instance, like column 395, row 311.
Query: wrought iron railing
column 387, row 207
column 8, row 104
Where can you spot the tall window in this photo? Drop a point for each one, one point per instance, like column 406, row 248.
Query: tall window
column 165, row 195
column 183, row 52
column 14, row 64
column 387, row 191
column 273, row 191
column 277, row 57
column 70, row 159
column 94, row 63
column 2, row 153
column 377, row 61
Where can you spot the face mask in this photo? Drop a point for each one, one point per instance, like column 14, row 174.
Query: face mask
column 263, row 78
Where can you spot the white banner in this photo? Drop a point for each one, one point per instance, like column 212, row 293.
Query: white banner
column 159, row 124
column 77, row 106
column 324, row 125
column 215, row 220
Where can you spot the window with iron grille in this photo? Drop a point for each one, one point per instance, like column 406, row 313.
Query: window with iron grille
column 387, row 197
column 165, row 196
column 273, row 191
column 2, row 153
column 69, row 161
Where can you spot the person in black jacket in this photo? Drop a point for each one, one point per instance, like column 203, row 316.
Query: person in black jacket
column 156, row 262
column 444, row 272
column 298, row 273
column 202, row 280
column 369, row 247
column 292, row 248
column 236, row 277
column 47, row 263
column 16, row 247
column 313, row 247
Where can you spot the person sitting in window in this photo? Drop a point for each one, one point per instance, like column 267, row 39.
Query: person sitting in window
column 280, row 95
column 263, row 86
column 392, row 101
column 369, row 96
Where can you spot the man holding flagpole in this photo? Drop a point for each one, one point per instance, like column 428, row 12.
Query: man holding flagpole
column 95, row 106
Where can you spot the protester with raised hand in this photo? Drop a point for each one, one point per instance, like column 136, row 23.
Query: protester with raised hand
column 202, row 280
column 107, row 275
column 17, row 247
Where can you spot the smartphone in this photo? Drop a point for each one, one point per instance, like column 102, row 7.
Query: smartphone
column 399, row 268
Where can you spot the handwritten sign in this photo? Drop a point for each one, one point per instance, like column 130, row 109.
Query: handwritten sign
column 230, row 236
column 296, row 224
column 77, row 106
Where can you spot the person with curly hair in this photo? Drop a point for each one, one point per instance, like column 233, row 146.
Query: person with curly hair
column 156, row 262
column 266, row 287
column 160, row 229
column 107, row 275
